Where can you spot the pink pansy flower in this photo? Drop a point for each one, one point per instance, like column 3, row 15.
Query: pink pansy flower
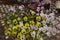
column 38, row 9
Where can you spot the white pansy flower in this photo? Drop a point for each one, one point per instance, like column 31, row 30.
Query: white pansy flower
column 47, row 20
column 42, row 7
column 41, row 29
column 42, row 14
column 41, row 38
column 45, row 27
column 44, row 22
column 48, row 34
column 37, row 13
column 7, row 37
column 33, row 34
column 22, row 37
column 21, row 23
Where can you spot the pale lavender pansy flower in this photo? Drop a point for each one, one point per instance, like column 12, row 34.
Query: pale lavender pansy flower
column 33, row 27
column 55, row 22
column 44, row 28
column 58, row 26
column 21, row 7
column 52, row 18
column 43, row 15
column 11, row 8
column 53, row 31
column 52, row 14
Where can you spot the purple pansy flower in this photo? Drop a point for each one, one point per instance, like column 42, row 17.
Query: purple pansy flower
column 42, row 3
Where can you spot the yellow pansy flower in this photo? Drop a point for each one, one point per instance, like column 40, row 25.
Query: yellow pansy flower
column 24, row 27
column 32, row 12
column 38, row 24
column 32, row 16
column 18, row 18
column 18, row 27
column 8, row 33
column 25, row 18
column 16, row 15
column 43, row 18
column 38, row 18
column 32, row 22
column 9, row 29
column 23, row 31
column 19, row 35
column 27, row 24
column 14, row 33
column 15, row 21
column 14, row 10
column 15, row 28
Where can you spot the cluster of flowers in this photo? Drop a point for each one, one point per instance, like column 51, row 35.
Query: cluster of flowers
column 31, row 26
